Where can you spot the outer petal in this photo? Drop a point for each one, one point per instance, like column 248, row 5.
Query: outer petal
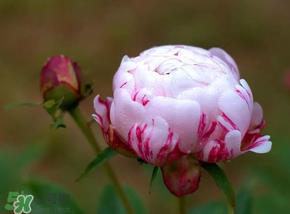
column 125, row 113
column 224, row 56
column 257, row 143
column 253, row 140
column 153, row 141
column 262, row 145
column 236, row 110
column 123, row 77
column 257, row 117
column 182, row 117
column 116, row 142
column 102, row 109
column 182, row 176
column 221, row 150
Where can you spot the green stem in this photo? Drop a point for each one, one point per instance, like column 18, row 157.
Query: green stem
column 231, row 209
column 87, row 131
column 182, row 205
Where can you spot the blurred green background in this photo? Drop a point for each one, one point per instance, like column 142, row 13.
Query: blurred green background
column 97, row 34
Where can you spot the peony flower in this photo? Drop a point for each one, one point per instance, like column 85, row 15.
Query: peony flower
column 60, row 79
column 174, row 101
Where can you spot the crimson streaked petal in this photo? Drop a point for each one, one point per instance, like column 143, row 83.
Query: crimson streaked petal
column 221, row 150
column 154, row 141
column 102, row 112
column 236, row 110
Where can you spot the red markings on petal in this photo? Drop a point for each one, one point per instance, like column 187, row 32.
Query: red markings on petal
column 229, row 121
column 219, row 152
column 141, row 97
column 154, row 142
column 201, row 125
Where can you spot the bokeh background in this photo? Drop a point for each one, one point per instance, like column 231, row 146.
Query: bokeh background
column 97, row 33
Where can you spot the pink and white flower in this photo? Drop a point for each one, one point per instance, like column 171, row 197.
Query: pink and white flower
column 172, row 101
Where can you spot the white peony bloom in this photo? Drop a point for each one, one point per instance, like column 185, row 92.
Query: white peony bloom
column 177, row 100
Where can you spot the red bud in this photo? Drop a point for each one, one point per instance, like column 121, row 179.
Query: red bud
column 60, row 79
column 182, row 176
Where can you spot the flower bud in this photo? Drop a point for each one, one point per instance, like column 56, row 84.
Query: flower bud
column 182, row 176
column 60, row 80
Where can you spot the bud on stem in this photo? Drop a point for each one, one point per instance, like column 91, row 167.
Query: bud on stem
column 60, row 80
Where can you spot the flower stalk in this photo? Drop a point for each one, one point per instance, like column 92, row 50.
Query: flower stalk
column 87, row 131
column 182, row 205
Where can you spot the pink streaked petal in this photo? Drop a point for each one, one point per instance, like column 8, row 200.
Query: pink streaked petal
column 221, row 150
column 125, row 112
column 206, row 131
column 182, row 116
column 233, row 141
column 102, row 110
column 201, row 125
column 246, row 86
column 115, row 141
column 261, row 145
column 235, row 111
column 142, row 96
column 227, row 122
column 244, row 95
column 123, row 78
column 153, row 141
column 257, row 117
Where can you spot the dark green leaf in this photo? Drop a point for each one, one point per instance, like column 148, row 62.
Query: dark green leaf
column 153, row 176
column 20, row 104
column 109, row 202
column 222, row 182
column 50, row 198
column 100, row 158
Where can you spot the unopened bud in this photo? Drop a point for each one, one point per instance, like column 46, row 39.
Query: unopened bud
column 182, row 176
column 60, row 80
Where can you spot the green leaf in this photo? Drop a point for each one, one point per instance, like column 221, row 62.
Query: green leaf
column 222, row 182
column 11, row 106
column 50, row 198
column 99, row 159
column 109, row 202
column 153, row 176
